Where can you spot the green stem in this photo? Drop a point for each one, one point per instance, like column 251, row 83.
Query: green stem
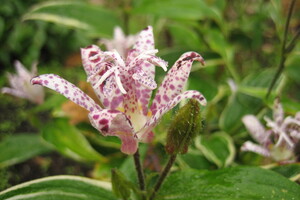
column 139, row 170
column 283, row 49
column 163, row 175
column 291, row 45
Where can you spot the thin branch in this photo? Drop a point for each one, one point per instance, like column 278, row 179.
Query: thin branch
column 291, row 45
column 283, row 49
column 139, row 170
column 163, row 175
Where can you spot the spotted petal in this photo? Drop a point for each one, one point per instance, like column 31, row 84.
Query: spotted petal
column 108, row 89
column 145, row 40
column 91, row 56
column 256, row 129
column 278, row 113
column 175, row 80
column 144, row 79
column 23, row 72
column 153, row 121
column 249, row 146
column 67, row 89
column 115, row 123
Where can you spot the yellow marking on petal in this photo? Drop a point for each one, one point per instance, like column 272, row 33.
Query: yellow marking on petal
column 149, row 114
column 119, row 133
column 140, row 107
column 121, row 109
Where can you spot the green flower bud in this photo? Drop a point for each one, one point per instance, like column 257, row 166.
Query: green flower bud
column 185, row 126
column 120, row 185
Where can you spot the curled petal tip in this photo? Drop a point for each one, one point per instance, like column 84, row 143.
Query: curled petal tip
column 35, row 80
column 203, row 101
column 165, row 66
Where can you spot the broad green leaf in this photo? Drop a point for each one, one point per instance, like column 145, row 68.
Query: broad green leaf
column 185, row 36
column 218, row 148
column 18, row 148
column 120, row 185
column 218, row 43
column 187, row 9
column 93, row 19
column 245, row 100
column 60, row 187
column 236, row 183
column 238, row 106
column 206, row 86
column 50, row 103
column 193, row 159
column 291, row 171
column 69, row 141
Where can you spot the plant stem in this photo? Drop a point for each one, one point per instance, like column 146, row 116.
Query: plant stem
column 163, row 175
column 283, row 49
column 139, row 170
column 291, row 45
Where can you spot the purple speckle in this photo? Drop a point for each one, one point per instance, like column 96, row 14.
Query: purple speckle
column 105, row 128
column 158, row 98
column 103, row 121
column 166, row 98
column 95, row 117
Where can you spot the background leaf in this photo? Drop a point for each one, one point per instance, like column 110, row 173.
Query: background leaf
column 18, row 148
column 60, row 187
column 95, row 20
column 188, row 9
column 237, row 183
column 69, row 141
column 218, row 148
column 291, row 171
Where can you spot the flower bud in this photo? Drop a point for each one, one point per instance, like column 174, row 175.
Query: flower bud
column 185, row 126
column 120, row 185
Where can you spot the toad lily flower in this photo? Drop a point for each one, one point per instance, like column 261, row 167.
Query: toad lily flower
column 20, row 84
column 124, row 88
column 279, row 141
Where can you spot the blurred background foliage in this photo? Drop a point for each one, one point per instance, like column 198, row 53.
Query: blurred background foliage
column 240, row 41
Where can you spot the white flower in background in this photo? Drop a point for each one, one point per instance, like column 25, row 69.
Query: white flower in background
column 20, row 85
column 121, row 43
column 278, row 140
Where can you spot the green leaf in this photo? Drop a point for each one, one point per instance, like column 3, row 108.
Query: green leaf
column 239, row 105
column 185, row 36
column 218, row 148
column 120, row 185
column 293, row 69
column 187, row 9
column 193, row 159
column 69, row 141
column 237, row 183
column 291, row 171
column 247, row 99
column 60, row 187
column 95, row 20
column 18, row 148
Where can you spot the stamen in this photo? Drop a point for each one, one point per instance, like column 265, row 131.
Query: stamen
column 114, row 55
column 105, row 76
column 119, row 83
column 95, row 72
column 284, row 137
